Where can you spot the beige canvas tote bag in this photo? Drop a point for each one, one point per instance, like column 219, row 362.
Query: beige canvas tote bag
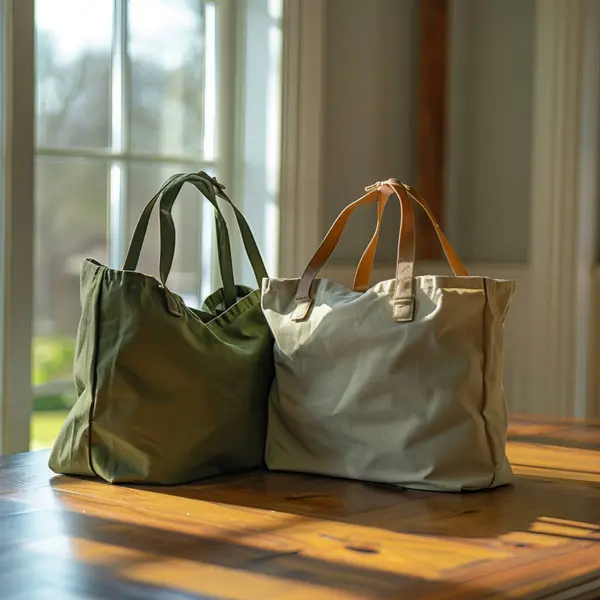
column 399, row 383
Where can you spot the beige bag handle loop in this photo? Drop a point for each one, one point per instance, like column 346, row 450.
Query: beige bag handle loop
column 363, row 272
column 403, row 291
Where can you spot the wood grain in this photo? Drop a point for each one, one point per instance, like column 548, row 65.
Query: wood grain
column 431, row 127
column 277, row 535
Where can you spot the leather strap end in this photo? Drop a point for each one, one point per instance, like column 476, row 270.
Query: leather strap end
column 302, row 310
column 404, row 310
column 172, row 304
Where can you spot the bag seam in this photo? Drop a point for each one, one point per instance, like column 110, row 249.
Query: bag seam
column 488, row 435
column 94, row 369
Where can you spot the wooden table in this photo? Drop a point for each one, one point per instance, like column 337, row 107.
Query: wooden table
column 297, row 537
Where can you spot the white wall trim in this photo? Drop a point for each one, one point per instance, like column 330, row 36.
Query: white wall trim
column 302, row 129
column 564, row 164
column 16, row 223
column 586, row 228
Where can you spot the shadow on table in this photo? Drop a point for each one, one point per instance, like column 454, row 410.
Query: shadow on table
column 106, row 558
column 485, row 514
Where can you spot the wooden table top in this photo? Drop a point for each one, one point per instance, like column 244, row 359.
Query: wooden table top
column 268, row 535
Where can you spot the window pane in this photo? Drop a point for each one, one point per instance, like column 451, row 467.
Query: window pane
column 167, row 51
column 73, row 45
column 186, row 274
column 70, row 226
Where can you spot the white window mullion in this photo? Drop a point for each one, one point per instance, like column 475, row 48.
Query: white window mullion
column 219, row 62
column 210, row 83
column 207, row 246
column 16, row 221
column 117, row 187
column 107, row 153
column 258, row 134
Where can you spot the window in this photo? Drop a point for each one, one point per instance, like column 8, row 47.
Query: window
column 129, row 92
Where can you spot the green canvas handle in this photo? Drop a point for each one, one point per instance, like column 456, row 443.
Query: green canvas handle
column 206, row 185
column 139, row 234
column 250, row 245
column 173, row 184
column 168, row 236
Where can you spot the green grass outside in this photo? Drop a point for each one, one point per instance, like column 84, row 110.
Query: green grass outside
column 52, row 358
column 45, row 426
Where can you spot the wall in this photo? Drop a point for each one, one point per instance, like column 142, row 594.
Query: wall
column 370, row 111
column 490, row 117
column 370, row 117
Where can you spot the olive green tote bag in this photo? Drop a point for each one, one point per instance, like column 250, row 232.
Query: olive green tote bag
column 167, row 393
column 397, row 383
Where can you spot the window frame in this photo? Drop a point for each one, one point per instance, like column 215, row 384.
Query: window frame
column 16, row 222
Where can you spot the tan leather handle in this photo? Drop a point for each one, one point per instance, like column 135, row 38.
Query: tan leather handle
column 365, row 266
column 403, row 300
column 329, row 243
column 363, row 272
column 457, row 266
